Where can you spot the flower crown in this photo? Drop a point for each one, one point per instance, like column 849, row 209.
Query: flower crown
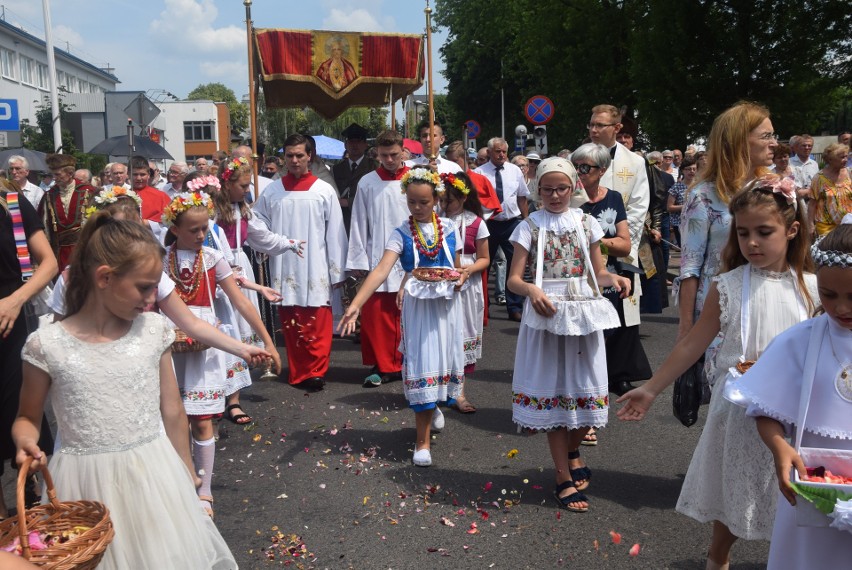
column 455, row 182
column 183, row 202
column 233, row 165
column 832, row 258
column 110, row 196
column 783, row 186
column 201, row 182
column 422, row 175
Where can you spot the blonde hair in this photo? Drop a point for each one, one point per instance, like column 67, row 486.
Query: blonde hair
column 728, row 164
column 834, row 149
column 610, row 110
column 122, row 245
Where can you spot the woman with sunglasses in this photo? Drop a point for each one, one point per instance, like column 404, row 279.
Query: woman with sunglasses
column 625, row 358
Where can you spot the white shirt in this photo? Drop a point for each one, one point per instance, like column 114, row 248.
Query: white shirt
column 444, row 166
column 514, row 187
column 378, row 209
column 808, row 169
column 313, row 215
column 170, row 191
column 126, row 186
column 33, row 193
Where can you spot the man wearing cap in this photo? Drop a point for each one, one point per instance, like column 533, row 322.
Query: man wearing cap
column 349, row 171
column 512, row 191
column 19, row 169
column 63, row 206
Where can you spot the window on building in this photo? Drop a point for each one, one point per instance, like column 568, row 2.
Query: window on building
column 198, row 130
column 27, row 70
column 72, row 84
column 41, row 76
column 8, row 63
column 60, row 80
column 84, row 86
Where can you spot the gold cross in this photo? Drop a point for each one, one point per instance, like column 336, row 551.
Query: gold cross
column 625, row 175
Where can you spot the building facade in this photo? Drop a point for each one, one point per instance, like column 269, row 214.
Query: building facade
column 24, row 73
column 193, row 129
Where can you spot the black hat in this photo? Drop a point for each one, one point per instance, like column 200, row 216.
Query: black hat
column 355, row 131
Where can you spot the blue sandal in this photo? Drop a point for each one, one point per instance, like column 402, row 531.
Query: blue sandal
column 575, row 497
column 581, row 474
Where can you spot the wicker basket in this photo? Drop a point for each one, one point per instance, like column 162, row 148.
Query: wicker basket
column 183, row 343
column 83, row 552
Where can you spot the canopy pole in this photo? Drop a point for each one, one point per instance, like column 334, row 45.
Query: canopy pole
column 432, row 156
column 252, row 98
column 392, row 109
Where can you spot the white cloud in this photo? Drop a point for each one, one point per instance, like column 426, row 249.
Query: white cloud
column 186, row 26
column 224, row 69
column 63, row 35
column 357, row 16
column 355, row 21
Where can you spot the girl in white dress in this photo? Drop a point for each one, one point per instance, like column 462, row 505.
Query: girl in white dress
column 207, row 377
column 107, row 367
column 239, row 227
column 432, row 346
column 560, row 380
column 765, row 291
column 463, row 208
column 809, row 364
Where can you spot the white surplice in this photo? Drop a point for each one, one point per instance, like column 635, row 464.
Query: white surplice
column 627, row 176
column 313, row 215
column 379, row 208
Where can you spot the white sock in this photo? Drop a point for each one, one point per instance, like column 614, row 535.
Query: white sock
column 203, row 454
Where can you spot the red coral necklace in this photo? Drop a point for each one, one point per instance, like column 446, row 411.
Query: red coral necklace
column 186, row 282
column 423, row 246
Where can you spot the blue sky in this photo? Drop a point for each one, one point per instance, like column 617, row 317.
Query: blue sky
column 176, row 45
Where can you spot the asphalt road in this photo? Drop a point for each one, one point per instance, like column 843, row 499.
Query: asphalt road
column 325, row 480
column 328, row 477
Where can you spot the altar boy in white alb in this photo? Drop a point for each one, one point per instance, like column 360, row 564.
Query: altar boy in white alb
column 304, row 205
column 379, row 208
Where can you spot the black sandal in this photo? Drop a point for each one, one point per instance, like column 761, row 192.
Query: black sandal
column 581, row 474
column 575, row 497
column 240, row 419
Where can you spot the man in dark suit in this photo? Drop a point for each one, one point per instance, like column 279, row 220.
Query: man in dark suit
column 349, row 171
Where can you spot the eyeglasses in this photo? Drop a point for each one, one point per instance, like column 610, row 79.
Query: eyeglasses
column 585, row 168
column 668, row 158
column 768, row 137
column 600, row 126
column 551, row 190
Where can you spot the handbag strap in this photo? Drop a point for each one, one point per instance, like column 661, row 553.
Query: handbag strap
column 21, row 249
column 808, row 374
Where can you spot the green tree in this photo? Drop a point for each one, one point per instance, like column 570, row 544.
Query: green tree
column 676, row 63
column 218, row 92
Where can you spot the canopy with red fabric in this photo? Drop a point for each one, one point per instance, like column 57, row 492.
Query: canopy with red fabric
column 331, row 71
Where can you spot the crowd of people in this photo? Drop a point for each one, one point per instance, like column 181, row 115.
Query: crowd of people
column 397, row 251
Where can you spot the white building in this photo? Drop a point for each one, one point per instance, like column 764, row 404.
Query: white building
column 192, row 129
column 24, row 74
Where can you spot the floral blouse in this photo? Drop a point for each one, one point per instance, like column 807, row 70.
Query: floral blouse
column 563, row 255
column 832, row 202
column 704, row 226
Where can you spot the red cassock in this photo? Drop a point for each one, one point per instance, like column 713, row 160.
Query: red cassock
column 307, row 336
column 381, row 333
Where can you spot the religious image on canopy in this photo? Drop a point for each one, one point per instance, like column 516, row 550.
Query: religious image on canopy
column 332, row 71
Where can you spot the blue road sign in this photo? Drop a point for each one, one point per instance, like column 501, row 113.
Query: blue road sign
column 539, row 110
column 9, row 118
column 473, row 128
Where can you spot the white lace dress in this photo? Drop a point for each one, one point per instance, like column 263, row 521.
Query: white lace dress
column 731, row 477
column 106, row 400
